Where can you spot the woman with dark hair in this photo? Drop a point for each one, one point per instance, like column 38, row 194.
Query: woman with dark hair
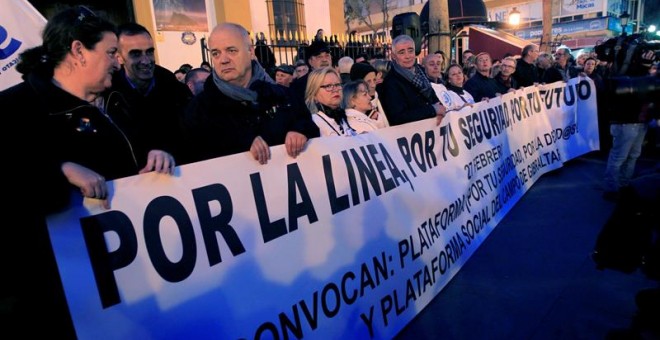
column 90, row 136
column 323, row 97
column 74, row 139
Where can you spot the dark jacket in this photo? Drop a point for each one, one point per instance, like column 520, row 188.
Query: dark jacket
column 556, row 73
column 157, row 115
column 480, row 87
column 265, row 56
column 505, row 86
column 77, row 131
column 345, row 78
column 217, row 125
column 298, row 87
column 628, row 99
column 403, row 102
column 49, row 126
column 526, row 74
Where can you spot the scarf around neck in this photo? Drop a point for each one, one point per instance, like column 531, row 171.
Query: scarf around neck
column 337, row 114
column 454, row 88
column 239, row 93
column 418, row 79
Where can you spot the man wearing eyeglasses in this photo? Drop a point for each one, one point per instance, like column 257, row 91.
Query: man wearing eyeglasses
column 241, row 108
column 526, row 72
column 562, row 69
column 505, row 78
column 317, row 56
column 406, row 93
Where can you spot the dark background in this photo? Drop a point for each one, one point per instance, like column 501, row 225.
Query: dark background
column 121, row 11
column 118, row 12
column 652, row 13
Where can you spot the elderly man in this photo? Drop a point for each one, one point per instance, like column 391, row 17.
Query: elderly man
column 284, row 75
column 481, row 86
column 561, row 70
column 526, row 73
column 406, row 93
column 241, row 108
column 543, row 63
column 506, row 78
column 318, row 56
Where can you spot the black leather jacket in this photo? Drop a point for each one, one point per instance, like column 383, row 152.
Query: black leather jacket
column 71, row 129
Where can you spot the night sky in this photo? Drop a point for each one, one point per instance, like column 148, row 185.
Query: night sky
column 652, row 13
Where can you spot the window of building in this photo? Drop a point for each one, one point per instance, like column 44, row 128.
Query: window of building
column 286, row 17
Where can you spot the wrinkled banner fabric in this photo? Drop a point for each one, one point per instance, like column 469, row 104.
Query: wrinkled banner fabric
column 350, row 240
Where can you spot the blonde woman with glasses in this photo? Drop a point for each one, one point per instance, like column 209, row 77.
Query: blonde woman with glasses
column 323, row 96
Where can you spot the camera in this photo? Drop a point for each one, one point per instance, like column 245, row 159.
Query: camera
column 625, row 53
column 628, row 71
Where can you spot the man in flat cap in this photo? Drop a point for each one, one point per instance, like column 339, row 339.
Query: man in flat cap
column 284, row 75
column 317, row 56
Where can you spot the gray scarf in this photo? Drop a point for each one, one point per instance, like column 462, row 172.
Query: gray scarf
column 239, row 93
column 418, row 79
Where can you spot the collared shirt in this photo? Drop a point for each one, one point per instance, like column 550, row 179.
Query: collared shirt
column 151, row 85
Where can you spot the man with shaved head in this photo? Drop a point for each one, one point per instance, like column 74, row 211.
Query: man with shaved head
column 241, row 108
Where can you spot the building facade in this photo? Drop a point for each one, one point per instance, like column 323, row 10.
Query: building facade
column 575, row 23
column 180, row 26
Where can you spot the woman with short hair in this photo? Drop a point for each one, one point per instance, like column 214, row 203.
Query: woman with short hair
column 360, row 112
column 323, row 96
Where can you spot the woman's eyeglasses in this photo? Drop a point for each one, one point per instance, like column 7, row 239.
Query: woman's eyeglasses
column 331, row 87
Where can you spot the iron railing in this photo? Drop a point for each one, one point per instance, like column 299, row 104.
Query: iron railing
column 288, row 48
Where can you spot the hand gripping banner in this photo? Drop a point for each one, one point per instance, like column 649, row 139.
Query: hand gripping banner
column 350, row 240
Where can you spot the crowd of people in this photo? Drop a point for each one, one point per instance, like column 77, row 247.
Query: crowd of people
column 100, row 108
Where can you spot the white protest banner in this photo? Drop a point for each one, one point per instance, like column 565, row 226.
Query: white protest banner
column 350, row 240
column 20, row 29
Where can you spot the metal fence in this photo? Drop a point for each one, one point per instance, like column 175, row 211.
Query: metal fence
column 288, row 48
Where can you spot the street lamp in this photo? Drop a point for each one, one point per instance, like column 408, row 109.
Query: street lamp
column 624, row 21
column 651, row 29
column 514, row 17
